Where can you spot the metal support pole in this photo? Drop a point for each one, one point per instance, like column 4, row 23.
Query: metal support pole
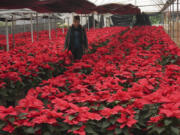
column 37, row 26
column 109, row 21
column 56, row 26
column 49, row 19
column 7, row 36
column 135, row 2
column 81, row 19
column 173, row 19
column 86, row 20
column 44, row 24
column 163, row 20
column 24, row 26
column 170, row 20
column 68, row 21
column 32, row 36
column 94, row 22
column 13, row 38
column 177, row 21
column 11, row 29
column 105, row 21
column 88, row 23
column 63, row 25
column 167, row 20
column 98, row 21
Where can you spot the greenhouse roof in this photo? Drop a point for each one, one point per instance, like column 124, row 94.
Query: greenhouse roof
column 144, row 5
column 68, row 6
column 86, row 6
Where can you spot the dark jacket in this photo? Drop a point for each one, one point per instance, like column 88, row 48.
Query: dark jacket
column 69, row 40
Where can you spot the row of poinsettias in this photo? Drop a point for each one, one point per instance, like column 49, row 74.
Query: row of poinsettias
column 130, row 86
column 24, row 38
column 26, row 66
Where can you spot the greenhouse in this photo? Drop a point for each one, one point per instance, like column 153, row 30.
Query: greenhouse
column 89, row 67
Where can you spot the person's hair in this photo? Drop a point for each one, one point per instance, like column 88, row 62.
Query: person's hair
column 76, row 18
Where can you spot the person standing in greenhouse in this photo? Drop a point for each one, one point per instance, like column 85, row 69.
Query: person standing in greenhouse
column 76, row 39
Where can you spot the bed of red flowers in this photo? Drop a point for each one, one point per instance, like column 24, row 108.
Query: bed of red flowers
column 22, row 39
column 130, row 85
column 26, row 66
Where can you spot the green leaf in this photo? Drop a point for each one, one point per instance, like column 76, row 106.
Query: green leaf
column 12, row 85
column 3, row 92
column 63, row 127
column 113, row 121
column 175, row 130
column 118, row 131
column 110, row 133
column 105, row 124
column 95, row 107
column 148, row 115
column 89, row 129
column 117, row 102
column 75, row 128
column 125, row 131
column 150, row 127
column 2, row 125
column 29, row 130
column 3, row 133
column 137, row 126
column 92, row 122
column 22, row 116
column 101, row 107
column 11, row 119
column 71, row 117
column 47, row 133
column 159, row 130
column 167, row 122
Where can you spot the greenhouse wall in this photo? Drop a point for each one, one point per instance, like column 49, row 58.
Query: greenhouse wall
column 27, row 28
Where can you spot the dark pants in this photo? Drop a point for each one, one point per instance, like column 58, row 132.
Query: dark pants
column 77, row 53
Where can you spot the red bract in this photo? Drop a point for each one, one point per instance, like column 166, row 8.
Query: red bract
column 156, row 119
column 126, row 121
column 9, row 128
column 80, row 131
column 7, row 111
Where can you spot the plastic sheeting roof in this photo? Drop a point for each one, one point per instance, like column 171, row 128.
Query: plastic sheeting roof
column 86, row 6
column 144, row 5
column 48, row 5
column 117, row 9
column 68, row 6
